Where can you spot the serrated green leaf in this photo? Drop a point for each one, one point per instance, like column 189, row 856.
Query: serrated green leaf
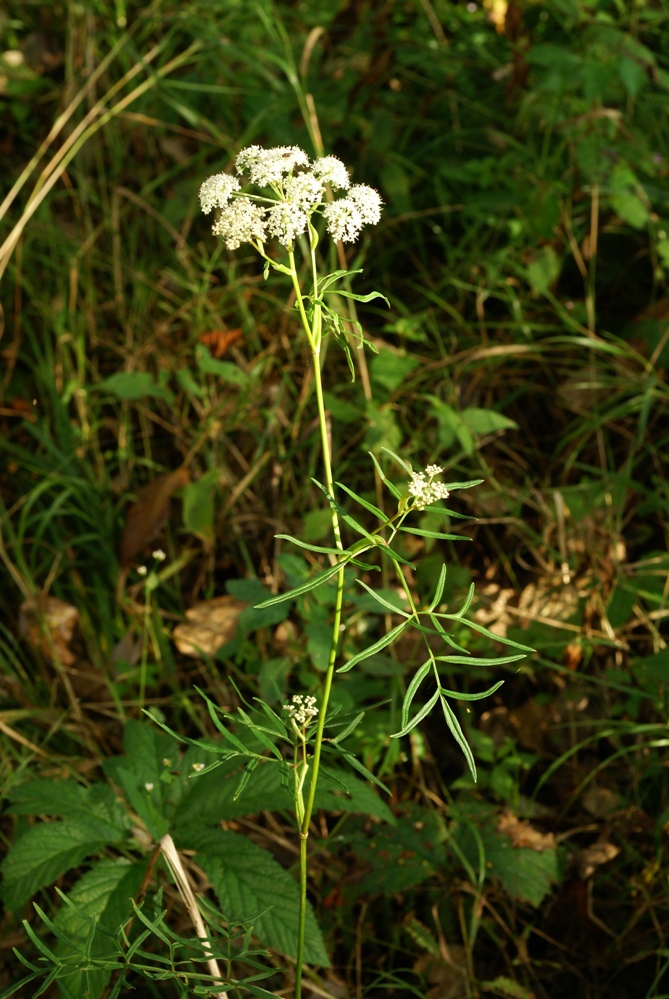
column 100, row 904
column 253, row 889
column 348, row 793
column 46, row 851
column 213, row 800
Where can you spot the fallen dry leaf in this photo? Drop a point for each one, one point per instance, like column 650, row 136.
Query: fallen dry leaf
column 148, row 513
column 218, row 341
column 210, row 625
column 48, row 625
column 522, row 834
column 594, row 856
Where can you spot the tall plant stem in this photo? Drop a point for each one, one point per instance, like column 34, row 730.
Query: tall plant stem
column 314, row 333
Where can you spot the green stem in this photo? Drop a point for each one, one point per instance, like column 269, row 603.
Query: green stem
column 314, row 332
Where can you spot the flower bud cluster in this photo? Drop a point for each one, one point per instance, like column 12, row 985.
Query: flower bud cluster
column 424, row 490
column 299, row 189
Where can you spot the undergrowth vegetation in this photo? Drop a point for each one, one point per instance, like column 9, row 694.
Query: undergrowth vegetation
column 161, row 446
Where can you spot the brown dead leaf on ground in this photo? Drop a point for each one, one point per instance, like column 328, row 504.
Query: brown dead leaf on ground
column 522, row 834
column 447, row 978
column 219, row 341
column 48, row 625
column 148, row 513
column 592, row 857
column 211, row 624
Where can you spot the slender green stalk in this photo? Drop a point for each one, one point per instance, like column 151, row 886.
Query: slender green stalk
column 314, row 333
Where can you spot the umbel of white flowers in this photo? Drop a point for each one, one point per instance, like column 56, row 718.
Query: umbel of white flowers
column 298, row 186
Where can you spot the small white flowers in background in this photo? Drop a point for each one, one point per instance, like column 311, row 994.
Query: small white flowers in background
column 142, row 570
column 299, row 189
column 423, row 488
column 159, row 555
column 301, row 709
column 148, row 786
column 197, row 767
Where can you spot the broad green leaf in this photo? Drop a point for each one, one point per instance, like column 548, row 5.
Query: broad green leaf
column 486, row 421
column 340, row 791
column 134, row 385
column 391, row 369
column 46, row 851
column 223, row 369
column 544, row 270
column 198, row 505
column 47, row 797
column 101, row 901
column 213, row 796
column 252, row 889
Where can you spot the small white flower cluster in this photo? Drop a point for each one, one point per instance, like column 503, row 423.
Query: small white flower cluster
column 300, row 189
column 301, row 709
column 424, row 490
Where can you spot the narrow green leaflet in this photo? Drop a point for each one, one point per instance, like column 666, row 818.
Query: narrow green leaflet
column 480, row 661
column 320, row 549
column 458, row 735
column 252, row 889
column 393, row 608
column 421, row 673
column 386, row 640
column 459, row 696
column 364, row 503
column 317, row 580
column 434, row 534
column 46, row 851
column 423, row 713
column 390, row 486
column 439, row 592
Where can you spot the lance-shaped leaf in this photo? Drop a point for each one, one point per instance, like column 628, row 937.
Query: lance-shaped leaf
column 421, row 673
column 365, row 503
column 457, row 733
column 382, row 643
column 421, row 532
column 382, row 475
column 319, row 549
column 480, row 660
column 311, row 584
column 458, row 696
column 423, row 713
column 385, row 603
column 346, row 517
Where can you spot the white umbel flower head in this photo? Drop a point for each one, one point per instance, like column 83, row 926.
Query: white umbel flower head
column 367, row 201
column 267, row 167
column 301, row 709
column 304, row 190
column 241, row 222
column 424, row 489
column 217, row 191
column 332, row 171
column 285, row 221
column 343, row 220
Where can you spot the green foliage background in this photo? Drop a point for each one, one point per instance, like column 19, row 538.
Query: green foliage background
column 524, row 248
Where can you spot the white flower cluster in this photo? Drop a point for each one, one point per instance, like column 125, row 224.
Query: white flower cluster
column 301, row 709
column 424, row 490
column 299, row 188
